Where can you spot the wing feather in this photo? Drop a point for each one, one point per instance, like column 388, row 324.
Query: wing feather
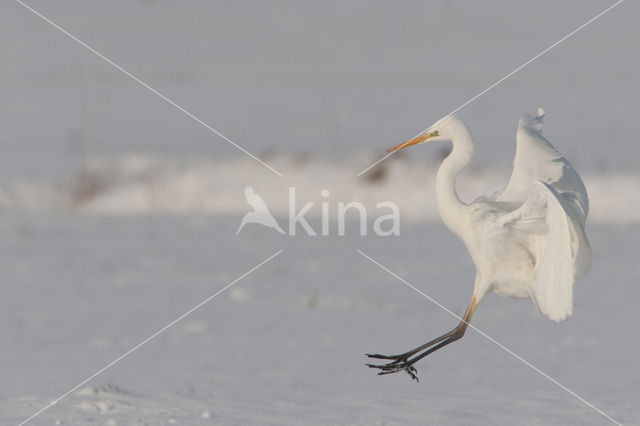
column 559, row 245
column 537, row 160
column 550, row 204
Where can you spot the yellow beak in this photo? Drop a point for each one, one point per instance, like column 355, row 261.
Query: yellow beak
column 418, row 139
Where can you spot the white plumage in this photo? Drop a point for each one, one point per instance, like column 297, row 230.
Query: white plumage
column 543, row 208
column 526, row 241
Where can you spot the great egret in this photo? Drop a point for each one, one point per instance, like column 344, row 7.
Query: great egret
column 526, row 241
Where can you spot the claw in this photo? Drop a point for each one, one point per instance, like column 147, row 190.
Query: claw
column 391, row 366
column 411, row 371
column 379, row 356
column 399, row 364
column 396, row 359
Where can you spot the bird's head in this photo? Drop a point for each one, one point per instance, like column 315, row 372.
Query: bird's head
column 442, row 130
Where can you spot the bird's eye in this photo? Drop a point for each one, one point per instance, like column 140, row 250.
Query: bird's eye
column 436, row 133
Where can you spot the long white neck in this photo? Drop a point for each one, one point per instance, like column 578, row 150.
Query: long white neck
column 452, row 210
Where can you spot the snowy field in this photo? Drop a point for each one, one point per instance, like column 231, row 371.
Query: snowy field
column 118, row 213
column 285, row 345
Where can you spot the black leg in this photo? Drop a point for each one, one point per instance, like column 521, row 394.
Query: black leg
column 420, row 348
column 404, row 362
column 407, row 364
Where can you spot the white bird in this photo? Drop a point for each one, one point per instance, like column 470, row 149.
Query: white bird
column 260, row 213
column 526, row 241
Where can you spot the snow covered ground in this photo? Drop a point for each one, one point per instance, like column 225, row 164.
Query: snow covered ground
column 285, row 345
column 118, row 213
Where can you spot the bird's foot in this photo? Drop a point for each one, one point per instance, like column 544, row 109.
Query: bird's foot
column 399, row 363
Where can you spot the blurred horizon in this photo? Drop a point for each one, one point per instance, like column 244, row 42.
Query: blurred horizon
column 330, row 80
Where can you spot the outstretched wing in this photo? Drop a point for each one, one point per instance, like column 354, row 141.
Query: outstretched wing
column 254, row 200
column 551, row 206
column 559, row 245
column 537, row 160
